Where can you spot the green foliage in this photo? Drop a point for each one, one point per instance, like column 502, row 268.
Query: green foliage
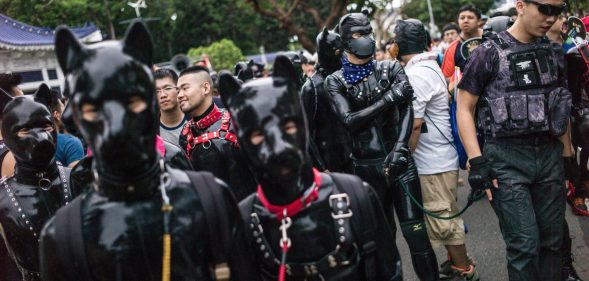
column 445, row 11
column 198, row 23
column 223, row 54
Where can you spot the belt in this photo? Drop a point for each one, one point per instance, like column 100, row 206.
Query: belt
column 368, row 161
column 532, row 140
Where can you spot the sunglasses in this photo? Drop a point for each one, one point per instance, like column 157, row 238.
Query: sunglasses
column 547, row 9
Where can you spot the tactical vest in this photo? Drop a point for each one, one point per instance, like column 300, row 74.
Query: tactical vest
column 520, row 98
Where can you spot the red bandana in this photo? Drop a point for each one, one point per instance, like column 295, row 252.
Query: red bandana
column 297, row 205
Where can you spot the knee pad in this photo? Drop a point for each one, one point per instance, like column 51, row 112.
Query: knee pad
column 415, row 233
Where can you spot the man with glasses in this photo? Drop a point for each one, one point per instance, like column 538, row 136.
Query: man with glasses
column 516, row 84
column 208, row 138
column 171, row 117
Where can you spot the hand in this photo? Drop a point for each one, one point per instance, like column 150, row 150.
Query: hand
column 482, row 176
column 399, row 93
column 572, row 171
column 397, row 161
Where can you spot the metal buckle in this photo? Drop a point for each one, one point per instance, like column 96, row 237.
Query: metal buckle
column 207, row 144
column 340, row 197
column 222, row 136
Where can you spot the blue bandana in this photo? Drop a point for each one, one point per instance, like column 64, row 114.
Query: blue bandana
column 354, row 73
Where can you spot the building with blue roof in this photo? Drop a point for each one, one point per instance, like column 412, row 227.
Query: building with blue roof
column 28, row 50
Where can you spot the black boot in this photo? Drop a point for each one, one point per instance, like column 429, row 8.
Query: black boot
column 568, row 271
column 425, row 265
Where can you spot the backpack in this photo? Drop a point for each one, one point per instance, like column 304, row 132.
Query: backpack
column 70, row 239
column 456, row 143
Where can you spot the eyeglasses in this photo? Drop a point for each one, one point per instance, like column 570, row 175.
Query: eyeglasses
column 167, row 89
column 547, row 9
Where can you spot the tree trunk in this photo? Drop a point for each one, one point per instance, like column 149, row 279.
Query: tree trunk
column 111, row 27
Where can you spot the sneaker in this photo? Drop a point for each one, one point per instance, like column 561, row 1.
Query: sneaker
column 460, row 274
column 570, row 274
column 579, row 203
column 446, row 267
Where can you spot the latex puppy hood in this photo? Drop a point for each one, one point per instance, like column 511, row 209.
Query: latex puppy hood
column 329, row 50
column 362, row 47
column 111, row 90
column 36, row 146
column 271, row 108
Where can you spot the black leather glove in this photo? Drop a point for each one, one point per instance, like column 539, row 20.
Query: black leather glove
column 401, row 92
column 572, row 172
column 481, row 174
column 397, row 161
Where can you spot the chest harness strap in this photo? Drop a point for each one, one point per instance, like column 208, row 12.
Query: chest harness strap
column 205, row 139
column 345, row 252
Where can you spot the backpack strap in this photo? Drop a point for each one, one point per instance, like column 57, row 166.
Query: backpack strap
column 363, row 223
column 215, row 208
column 70, row 240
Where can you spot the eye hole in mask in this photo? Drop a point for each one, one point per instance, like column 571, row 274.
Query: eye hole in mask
column 290, row 127
column 24, row 132
column 88, row 112
column 137, row 104
column 256, row 137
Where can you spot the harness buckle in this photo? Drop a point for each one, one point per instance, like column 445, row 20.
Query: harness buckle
column 222, row 134
column 339, row 200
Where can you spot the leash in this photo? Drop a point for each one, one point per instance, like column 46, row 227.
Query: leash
column 474, row 196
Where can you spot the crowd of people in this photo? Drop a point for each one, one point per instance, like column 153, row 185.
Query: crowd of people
column 136, row 172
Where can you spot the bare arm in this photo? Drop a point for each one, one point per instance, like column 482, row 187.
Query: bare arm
column 566, row 141
column 414, row 139
column 466, row 106
column 8, row 165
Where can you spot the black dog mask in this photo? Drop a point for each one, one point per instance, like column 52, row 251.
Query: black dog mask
column 112, row 98
column 329, row 50
column 30, row 115
column 270, row 109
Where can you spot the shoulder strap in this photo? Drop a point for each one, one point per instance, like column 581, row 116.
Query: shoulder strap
column 363, row 222
column 215, row 208
column 70, row 240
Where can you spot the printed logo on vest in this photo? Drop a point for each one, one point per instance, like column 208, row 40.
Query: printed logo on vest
column 524, row 65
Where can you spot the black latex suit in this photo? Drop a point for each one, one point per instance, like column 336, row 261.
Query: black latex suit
column 220, row 156
column 329, row 140
column 270, row 108
column 378, row 113
column 121, row 217
column 39, row 186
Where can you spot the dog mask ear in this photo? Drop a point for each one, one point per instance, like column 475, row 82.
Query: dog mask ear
column 44, row 96
column 228, row 86
column 138, row 43
column 68, row 49
column 283, row 68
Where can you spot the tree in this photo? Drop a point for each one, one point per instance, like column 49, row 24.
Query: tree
column 223, row 54
column 445, row 11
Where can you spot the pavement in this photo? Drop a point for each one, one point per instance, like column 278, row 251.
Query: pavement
column 485, row 244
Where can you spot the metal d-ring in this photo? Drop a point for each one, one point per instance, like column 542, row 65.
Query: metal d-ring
column 205, row 146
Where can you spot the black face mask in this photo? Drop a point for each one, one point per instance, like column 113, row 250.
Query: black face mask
column 267, row 106
column 362, row 47
column 36, row 148
column 113, row 77
column 329, row 50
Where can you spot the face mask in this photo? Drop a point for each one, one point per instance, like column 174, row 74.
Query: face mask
column 362, row 47
column 271, row 108
column 35, row 148
column 115, row 80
